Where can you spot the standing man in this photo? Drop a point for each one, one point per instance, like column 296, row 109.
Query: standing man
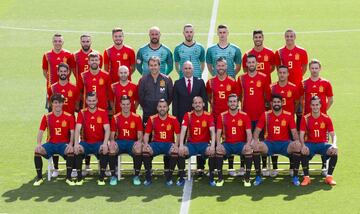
column 317, row 86
column 189, row 50
column 278, row 124
column 197, row 129
column 185, row 89
column 152, row 87
column 234, row 128
column 60, row 139
column 126, row 137
column 163, row 127
column 98, row 81
column 230, row 52
column 117, row 55
column 154, row 48
column 218, row 89
column 124, row 87
column 264, row 56
column 93, row 126
column 314, row 130
column 53, row 58
column 82, row 56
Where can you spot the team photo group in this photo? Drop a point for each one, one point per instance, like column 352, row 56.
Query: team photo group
column 239, row 110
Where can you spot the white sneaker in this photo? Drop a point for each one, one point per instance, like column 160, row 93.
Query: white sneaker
column 232, row 172
column 55, row 173
column 107, row 173
column 324, row 172
column 84, row 173
column 274, row 173
column 265, row 172
column 74, row 173
column 291, row 172
column 241, row 171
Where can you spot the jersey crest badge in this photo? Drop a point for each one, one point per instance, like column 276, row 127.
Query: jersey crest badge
column 101, row 81
column 70, row 93
column 99, row 120
column 168, row 127
column 63, row 123
column 240, row 122
column 266, row 58
column 322, row 125
column 258, row 84
column 283, row 123
column 130, row 93
column 321, row 89
column 203, row 123
column 125, row 56
column 289, row 94
column 132, row 125
column 297, row 56
column 162, row 83
column 228, row 87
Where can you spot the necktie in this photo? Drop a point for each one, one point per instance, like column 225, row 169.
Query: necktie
column 189, row 86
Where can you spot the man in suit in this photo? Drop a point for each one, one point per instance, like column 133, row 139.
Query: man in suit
column 185, row 89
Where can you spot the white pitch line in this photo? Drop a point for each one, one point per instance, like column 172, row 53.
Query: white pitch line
column 171, row 34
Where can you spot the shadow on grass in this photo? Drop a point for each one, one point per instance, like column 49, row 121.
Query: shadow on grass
column 57, row 190
column 271, row 187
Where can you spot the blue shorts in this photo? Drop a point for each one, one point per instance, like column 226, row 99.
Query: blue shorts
column 277, row 147
column 91, row 148
column 233, row 148
column 54, row 148
column 317, row 148
column 197, row 148
column 160, row 148
column 125, row 146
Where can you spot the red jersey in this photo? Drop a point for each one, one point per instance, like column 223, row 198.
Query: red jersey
column 130, row 89
column 255, row 91
column 69, row 91
column 126, row 128
column 290, row 94
column 321, row 88
column 198, row 126
column 114, row 58
column 82, row 62
column 277, row 128
column 234, row 126
column 92, row 125
column 50, row 62
column 219, row 90
column 58, row 128
column 162, row 130
column 294, row 59
column 99, row 83
column 265, row 61
column 316, row 129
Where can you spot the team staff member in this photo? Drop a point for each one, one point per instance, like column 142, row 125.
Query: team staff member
column 154, row 48
column 189, row 50
column 60, row 139
column 117, row 55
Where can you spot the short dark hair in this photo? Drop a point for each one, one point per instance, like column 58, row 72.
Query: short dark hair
column 93, row 54
column 162, row 100
column 155, row 59
column 63, row 65
column 315, row 98
column 258, row 32
column 117, row 29
column 250, row 56
column 91, row 94
column 187, row 25
column 276, row 96
column 221, row 59
column 84, row 35
column 233, row 95
column 57, row 35
column 57, row 97
column 283, row 66
column 222, row 26
column 125, row 97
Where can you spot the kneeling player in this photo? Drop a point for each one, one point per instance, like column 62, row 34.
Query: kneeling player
column 60, row 139
column 126, row 137
column 315, row 127
column 93, row 124
column 200, row 127
column 277, row 124
column 234, row 127
column 162, row 126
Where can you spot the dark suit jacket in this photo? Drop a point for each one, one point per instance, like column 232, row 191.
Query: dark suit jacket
column 182, row 101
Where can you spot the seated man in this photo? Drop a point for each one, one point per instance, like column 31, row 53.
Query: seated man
column 277, row 124
column 60, row 139
column 197, row 128
column 93, row 124
column 163, row 127
column 234, row 127
column 125, row 137
column 315, row 127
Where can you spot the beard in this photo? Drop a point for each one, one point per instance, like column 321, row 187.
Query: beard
column 94, row 66
column 63, row 77
column 277, row 107
column 154, row 41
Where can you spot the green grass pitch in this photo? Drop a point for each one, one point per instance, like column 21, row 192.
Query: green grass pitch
column 22, row 99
